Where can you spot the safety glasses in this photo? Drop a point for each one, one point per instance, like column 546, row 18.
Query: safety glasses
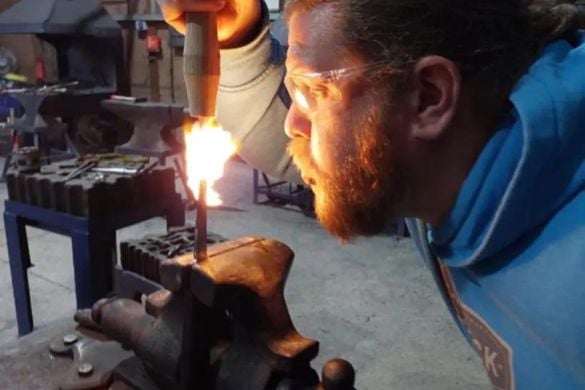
column 314, row 91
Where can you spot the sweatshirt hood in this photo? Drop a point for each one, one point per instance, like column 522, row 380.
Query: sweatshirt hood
column 531, row 166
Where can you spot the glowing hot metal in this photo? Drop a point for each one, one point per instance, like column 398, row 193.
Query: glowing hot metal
column 208, row 147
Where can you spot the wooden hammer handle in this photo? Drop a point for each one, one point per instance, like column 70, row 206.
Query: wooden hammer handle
column 201, row 62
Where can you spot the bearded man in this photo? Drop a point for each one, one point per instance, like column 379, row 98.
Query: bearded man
column 466, row 117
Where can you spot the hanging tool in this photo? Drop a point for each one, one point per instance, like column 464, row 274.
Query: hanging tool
column 84, row 167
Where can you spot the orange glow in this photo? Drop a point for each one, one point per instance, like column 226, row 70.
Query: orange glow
column 208, row 146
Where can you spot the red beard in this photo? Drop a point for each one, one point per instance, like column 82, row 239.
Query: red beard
column 357, row 197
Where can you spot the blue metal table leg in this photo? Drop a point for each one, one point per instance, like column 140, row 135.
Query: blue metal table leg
column 93, row 262
column 19, row 262
column 81, row 244
column 102, row 263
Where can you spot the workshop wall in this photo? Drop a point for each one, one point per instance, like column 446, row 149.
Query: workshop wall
column 172, row 86
column 171, row 83
column 27, row 47
column 20, row 45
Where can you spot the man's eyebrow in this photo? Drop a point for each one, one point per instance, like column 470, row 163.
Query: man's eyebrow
column 296, row 51
column 296, row 64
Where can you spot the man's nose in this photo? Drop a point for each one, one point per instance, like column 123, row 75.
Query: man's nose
column 297, row 125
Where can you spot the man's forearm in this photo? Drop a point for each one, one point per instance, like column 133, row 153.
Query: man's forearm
column 252, row 103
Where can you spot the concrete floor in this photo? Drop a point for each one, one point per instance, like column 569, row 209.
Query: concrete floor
column 371, row 302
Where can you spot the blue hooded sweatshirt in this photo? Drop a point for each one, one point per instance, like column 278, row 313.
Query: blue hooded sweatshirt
column 510, row 256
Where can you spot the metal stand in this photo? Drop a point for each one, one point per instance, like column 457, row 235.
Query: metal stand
column 94, row 247
column 40, row 127
column 283, row 193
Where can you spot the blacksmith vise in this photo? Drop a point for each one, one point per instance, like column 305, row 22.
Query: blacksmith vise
column 219, row 324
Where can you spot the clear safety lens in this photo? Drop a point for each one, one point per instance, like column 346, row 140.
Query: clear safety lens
column 316, row 91
column 310, row 96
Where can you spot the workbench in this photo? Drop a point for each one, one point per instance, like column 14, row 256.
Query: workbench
column 91, row 219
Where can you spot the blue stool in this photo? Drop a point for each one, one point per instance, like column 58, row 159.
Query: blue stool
column 94, row 247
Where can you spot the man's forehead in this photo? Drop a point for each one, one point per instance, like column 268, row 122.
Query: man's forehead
column 315, row 40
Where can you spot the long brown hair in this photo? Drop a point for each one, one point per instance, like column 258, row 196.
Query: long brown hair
column 492, row 41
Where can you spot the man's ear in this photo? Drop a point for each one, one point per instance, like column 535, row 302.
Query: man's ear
column 436, row 83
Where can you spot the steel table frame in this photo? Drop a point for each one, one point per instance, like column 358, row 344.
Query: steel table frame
column 93, row 243
column 283, row 191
